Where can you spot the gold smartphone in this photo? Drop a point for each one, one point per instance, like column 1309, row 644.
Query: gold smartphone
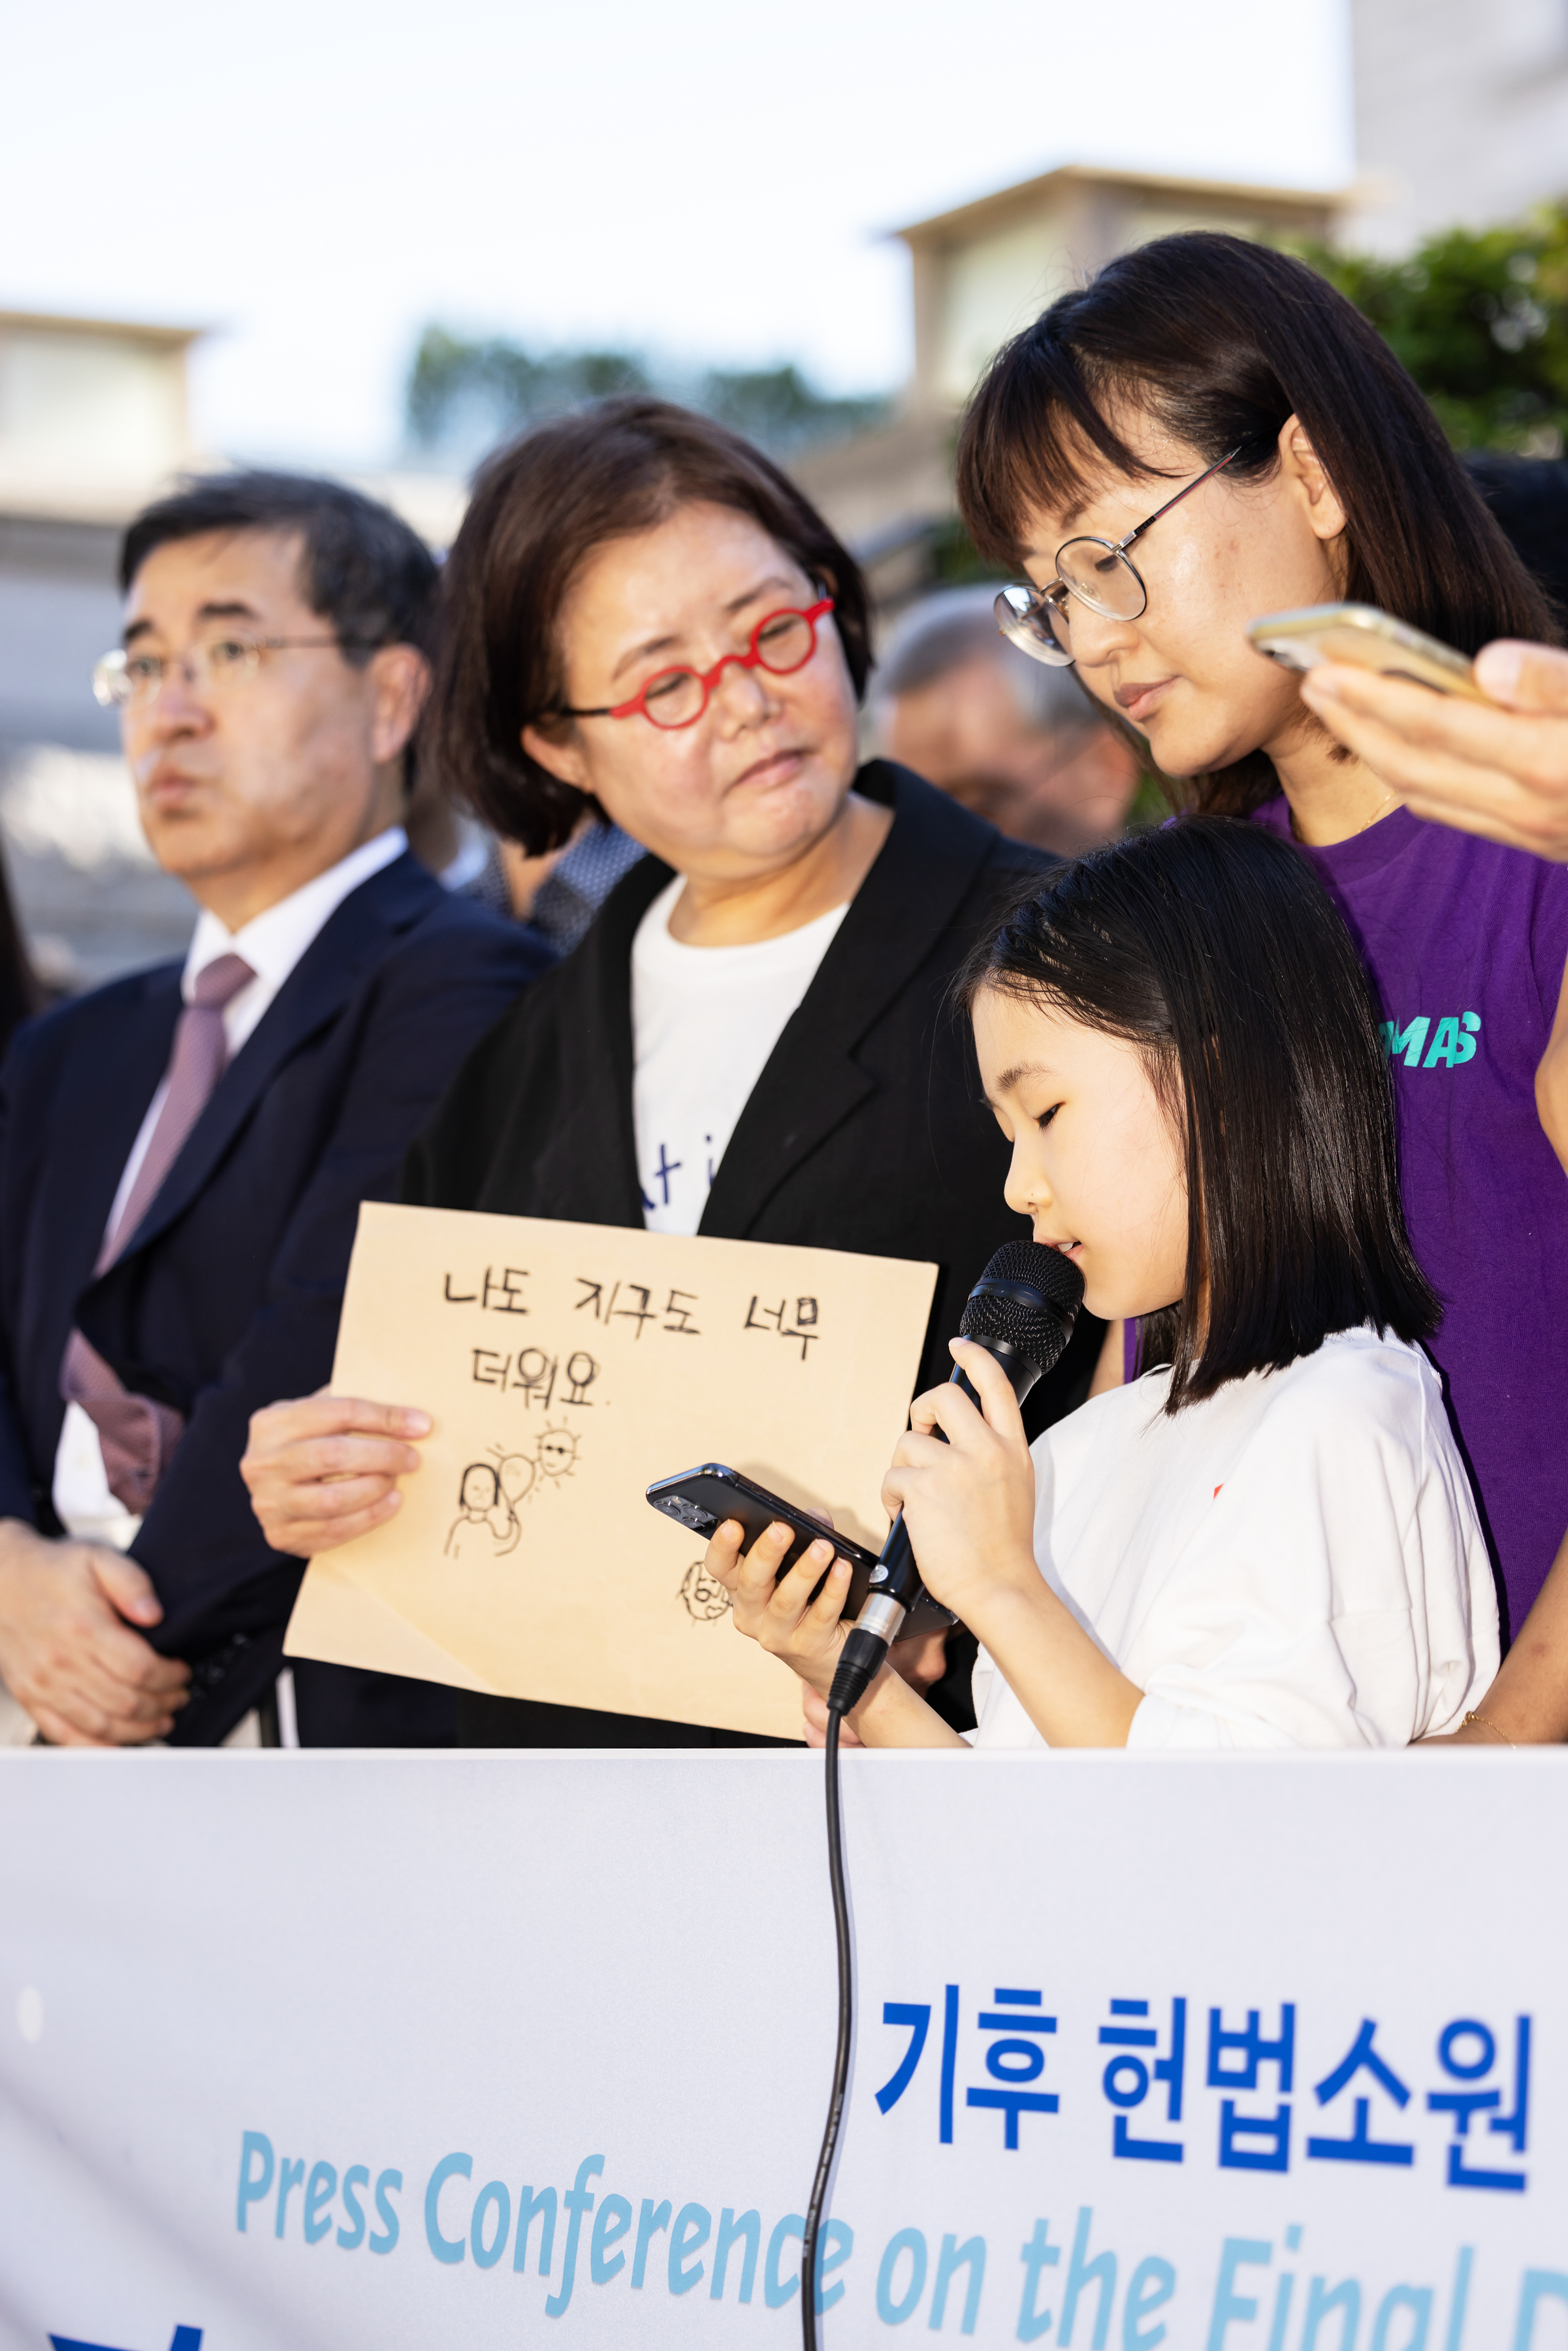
column 1367, row 639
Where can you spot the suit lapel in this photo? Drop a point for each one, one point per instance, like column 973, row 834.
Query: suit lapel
column 315, row 991
column 811, row 1080
column 109, row 1089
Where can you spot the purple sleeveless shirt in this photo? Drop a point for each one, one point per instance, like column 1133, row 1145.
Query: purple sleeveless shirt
column 1466, row 943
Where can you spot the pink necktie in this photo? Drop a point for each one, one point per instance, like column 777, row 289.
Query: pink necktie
column 137, row 1435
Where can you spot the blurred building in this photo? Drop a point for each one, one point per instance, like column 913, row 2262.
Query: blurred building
column 1461, row 115
column 94, row 421
column 980, row 273
column 93, row 418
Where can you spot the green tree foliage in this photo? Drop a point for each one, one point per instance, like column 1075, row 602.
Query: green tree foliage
column 465, row 393
column 460, row 389
column 777, row 408
column 1480, row 320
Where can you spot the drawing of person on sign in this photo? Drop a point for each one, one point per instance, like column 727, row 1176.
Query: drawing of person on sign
column 487, row 1525
column 706, row 1597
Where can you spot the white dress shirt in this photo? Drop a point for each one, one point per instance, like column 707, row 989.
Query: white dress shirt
column 1295, row 1562
column 272, row 943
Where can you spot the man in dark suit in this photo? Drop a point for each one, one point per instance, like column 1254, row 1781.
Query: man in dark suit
column 183, row 1152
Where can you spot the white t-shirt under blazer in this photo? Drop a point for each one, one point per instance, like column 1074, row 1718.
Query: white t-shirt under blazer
column 705, row 1021
column 1296, row 1563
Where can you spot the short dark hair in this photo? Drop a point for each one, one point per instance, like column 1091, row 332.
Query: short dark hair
column 540, row 508
column 1220, row 341
column 1213, row 947
column 364, row 570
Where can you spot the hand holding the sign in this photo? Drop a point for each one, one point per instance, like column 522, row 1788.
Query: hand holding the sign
column 324, row 1469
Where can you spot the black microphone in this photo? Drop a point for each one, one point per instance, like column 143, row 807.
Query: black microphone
column 1021, row 1310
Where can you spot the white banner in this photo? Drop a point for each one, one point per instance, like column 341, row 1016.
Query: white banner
column 1263, row 2053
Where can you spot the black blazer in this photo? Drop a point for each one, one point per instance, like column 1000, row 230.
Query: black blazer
column 227, row 1297
column 866, row 1131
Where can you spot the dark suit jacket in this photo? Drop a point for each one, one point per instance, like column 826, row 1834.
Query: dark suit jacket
column 227, row 1297
column 866, row 1131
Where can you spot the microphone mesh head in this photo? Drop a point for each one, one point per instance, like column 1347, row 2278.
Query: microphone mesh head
column 1038, row 1328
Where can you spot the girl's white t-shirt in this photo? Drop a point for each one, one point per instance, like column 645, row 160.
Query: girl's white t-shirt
column 1296, row 1563
column 703, row 1022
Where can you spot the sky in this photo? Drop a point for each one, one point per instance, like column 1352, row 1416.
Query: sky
column 710, row 184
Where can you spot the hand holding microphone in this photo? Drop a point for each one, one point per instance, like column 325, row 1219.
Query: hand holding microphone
column 1018, row 1317
column 963, row 1483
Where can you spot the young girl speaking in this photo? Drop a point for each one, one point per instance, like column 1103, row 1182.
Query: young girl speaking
column 1271, row 1540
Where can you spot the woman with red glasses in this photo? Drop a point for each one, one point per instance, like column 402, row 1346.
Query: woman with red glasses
column 646, row 618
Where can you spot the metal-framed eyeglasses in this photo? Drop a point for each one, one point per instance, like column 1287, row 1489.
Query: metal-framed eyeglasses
column 1099, row 573
column 781, row 642
column 129, row 679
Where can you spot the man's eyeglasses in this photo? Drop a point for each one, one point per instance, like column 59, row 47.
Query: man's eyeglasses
column 781, row 643
column 1098, row 572
column 129, row 679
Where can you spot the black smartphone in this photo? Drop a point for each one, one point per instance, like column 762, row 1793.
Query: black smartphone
column 703, row 1498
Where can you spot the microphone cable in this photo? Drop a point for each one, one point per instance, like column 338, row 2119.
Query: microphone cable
column 837, row 1880
column 1021, row 1310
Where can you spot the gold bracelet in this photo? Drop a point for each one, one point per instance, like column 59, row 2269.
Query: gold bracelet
column 1477, row 1717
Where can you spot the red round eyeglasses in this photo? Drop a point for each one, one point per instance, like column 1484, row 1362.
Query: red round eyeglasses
column 781, row 643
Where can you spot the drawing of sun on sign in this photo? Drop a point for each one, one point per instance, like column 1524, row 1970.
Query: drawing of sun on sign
column 706, row 1598
column 556, row 1453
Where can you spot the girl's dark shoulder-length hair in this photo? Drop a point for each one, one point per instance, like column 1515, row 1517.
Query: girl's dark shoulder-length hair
column 1220, row 341
column 540, row 508
column 1212, row 946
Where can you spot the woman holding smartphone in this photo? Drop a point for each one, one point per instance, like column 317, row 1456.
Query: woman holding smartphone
column 645, row 618
column 1210, row 433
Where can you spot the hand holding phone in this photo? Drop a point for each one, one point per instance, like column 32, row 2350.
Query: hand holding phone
column 703, row 1497
column 1367, row 639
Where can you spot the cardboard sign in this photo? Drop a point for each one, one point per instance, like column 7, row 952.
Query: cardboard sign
column 565, row 1368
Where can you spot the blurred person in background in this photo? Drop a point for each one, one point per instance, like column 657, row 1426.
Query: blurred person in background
column 20, row 996
column 557, row 895
column 645, row 618
column 1018, row 743
column 183, row 1152
column 1528, row 498
column 1208, row 431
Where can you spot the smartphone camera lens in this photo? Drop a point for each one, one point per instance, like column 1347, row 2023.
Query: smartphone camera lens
column 690, row 1514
